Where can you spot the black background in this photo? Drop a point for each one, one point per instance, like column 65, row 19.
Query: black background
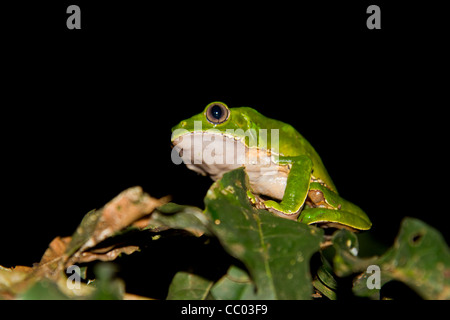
column 87, row 113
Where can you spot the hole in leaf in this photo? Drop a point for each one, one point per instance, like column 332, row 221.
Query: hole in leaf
column 416, row 238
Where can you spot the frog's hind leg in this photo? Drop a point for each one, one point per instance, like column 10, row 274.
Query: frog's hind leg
column 297, row 187
column 327, row 207
column 335, row 218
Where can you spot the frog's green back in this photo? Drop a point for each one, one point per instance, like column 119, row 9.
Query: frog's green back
column 291, row 142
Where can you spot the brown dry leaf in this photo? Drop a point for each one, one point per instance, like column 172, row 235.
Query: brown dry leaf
column 11, row 280
column 54, row 258
column 18, row 279
column 130, row 206
column 109, row 254
column 55, row 249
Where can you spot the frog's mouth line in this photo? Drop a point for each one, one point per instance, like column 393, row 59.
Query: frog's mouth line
column 207, row 137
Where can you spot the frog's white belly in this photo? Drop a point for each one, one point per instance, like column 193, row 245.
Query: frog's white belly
column 214, row 154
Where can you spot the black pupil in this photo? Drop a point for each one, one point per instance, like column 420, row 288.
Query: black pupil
column 216, row 112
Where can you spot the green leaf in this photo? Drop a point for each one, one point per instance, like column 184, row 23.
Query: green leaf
column 324, row 281
column 84, row 231
column 419, row 258
column 108, row 287
column 188, row 286
column 235, row 285
column 177, row 216
column 276, row 251
column 346, row 260
column 43, row 290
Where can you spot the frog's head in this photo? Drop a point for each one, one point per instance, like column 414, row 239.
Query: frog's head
column 213, row 133
column 216, row 116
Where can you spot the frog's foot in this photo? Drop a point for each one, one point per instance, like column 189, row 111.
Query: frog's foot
column 272, row 206
column 282, row 211
column 255, row 200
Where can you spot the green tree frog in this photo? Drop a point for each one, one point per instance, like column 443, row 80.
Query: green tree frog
column 286, row 175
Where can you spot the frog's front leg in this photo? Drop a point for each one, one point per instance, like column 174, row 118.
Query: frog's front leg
column 297, row 187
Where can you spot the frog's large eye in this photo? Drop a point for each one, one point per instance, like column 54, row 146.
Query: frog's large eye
column 217, row 112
